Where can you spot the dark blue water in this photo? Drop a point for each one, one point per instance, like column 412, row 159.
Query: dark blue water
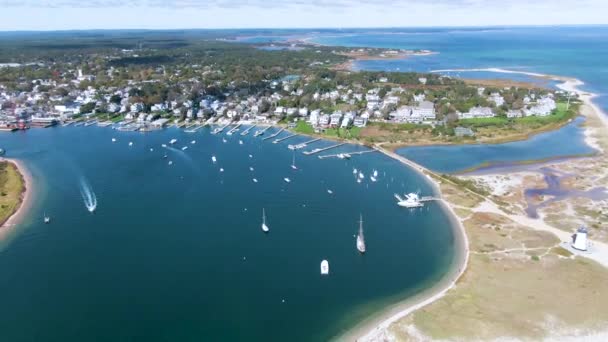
column 176, row 253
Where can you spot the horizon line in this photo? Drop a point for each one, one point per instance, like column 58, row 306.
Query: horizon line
column 307, row 28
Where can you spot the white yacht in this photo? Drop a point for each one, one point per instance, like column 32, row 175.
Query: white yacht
column 130, row 143
column 287, row 180
column 213, row 159
column 329, row 191
column 265, row 228
column 113, row 139
column 173, row 141
column 184, row 148
column 250, row 168
column 170, row 162
column 411, row 201
column 224, row 140
column 193, row 142
column 355, row 171
column 151, row 149
column 340, row 156
column 360, row 238
column 47, row 219
column 361, row 175
column 250, row 156
column 240, row 142
column 324, row 267
column 255, row 180
column 293, row 161
column 221, row 169
column 164, row 145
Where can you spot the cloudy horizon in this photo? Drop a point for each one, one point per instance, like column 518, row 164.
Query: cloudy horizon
column 209, row 14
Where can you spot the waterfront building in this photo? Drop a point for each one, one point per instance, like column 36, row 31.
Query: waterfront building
column 579, row 239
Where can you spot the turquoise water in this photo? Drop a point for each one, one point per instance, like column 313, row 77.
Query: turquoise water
column 176, row 253
column 568, row 51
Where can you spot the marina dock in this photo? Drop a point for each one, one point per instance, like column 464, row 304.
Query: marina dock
column 193, row 130
column 302, row 145
column 234, row 129
column 245, row 132
column 276, row 141
column 275, row 134
column 348, row 153
column 262, row 131
column 317, row 150
column 220, row 129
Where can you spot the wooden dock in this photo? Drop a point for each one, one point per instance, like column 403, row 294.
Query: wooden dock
column 276, row 141
column 233, row 129
column 302, row 145
column 317, row 150
column 348, row 153
column 275, row 134
column 262, row 131
column 245, row 132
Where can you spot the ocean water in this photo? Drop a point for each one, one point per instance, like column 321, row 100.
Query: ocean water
column 567, row 51
column 176, row 253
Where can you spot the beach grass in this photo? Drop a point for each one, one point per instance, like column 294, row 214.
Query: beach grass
column 12, row 187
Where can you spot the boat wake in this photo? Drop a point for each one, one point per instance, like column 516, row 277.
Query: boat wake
column 88, row 196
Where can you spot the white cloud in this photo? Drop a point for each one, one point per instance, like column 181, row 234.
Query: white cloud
column 100, row 14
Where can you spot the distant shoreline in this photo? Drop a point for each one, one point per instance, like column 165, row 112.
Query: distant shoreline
column 26, row 198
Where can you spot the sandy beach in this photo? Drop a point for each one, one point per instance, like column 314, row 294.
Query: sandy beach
column 26, row 198
column 375, row 328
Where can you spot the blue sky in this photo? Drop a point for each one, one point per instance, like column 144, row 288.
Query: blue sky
column 174, row 14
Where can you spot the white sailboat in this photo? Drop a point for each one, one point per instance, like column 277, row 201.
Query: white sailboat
column 213, row 159
column 240, row 142
column 265, row 228
column 184, row 148
column 324, row 267
column 130, row 143
column 173, row 141
column 360, row 238
column 113, row 139
column 287, row 180
column 193, row 142
column 293, row 162
column 374, row 176
column 47, row 219
column 224, row 140
column 250, row 168
column 355, row 171
column 255, row 180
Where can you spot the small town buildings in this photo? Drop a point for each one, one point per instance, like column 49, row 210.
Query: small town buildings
column 514, row 113
column 477, row 112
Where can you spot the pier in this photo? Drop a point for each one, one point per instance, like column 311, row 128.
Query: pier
column 194, row 129
column 220, row 129
column 262, row 131
column 245, row 132
column 429, row 199
column 346, row 155
column 275, row 134
column 234, row 129
column 302, row 145
column 317, row 150
column 276, row 141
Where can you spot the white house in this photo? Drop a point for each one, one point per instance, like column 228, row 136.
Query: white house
column 425, row 110
column 477, row 112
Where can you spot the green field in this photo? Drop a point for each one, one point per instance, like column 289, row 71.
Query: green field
column 11, row 187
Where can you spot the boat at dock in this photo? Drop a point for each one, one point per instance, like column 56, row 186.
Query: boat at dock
column 324, row 267
column 265, row 228
column 360, row 237
column 411, row 200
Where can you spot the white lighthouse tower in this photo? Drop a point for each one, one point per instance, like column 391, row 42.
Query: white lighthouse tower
column 579, row 239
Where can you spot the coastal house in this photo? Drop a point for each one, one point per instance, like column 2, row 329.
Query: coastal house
column 543, row 107
column 361, row 121
column 313, row 119
column 497, row 99
column 477, row 113
column 425, row 110
column 324, row 120
column 335, row 119
column 401, row 114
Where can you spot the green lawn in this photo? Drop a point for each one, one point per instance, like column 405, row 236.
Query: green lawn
column 351, row 133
